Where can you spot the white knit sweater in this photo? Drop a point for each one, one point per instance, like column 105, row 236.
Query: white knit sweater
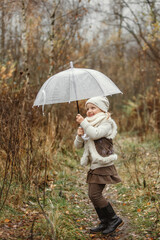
column 96, row 127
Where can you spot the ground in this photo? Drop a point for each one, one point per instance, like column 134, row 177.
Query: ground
column 68, row 207
column 22, row 226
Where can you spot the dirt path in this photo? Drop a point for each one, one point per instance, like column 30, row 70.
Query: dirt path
column 122, row 233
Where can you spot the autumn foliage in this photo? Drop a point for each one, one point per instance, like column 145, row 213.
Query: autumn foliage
column 39, row 39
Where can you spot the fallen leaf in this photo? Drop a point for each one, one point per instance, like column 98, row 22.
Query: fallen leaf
column 7, row 220
column 92, row 235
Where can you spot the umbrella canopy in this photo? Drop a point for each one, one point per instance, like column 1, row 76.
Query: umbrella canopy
column 75, row 84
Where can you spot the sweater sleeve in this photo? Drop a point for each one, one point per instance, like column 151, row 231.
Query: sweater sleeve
column 94, row 133
column 78, row 142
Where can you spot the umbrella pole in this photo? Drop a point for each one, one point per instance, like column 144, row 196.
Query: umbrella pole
column 77, row 106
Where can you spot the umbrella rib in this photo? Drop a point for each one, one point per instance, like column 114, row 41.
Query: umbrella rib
column 74, row 77
column 50, row 79
column 96, row 80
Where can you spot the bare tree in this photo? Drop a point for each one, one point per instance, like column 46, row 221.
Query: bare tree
column 141, row 24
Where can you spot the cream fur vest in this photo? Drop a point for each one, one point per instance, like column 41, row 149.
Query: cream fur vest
column 98, row 126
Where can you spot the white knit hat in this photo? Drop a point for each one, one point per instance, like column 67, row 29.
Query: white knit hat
column 100, row 102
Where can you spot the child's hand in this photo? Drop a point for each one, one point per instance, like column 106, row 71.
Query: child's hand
column 80, row 131
column 79, row 118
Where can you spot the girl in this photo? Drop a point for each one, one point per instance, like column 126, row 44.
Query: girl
column 95, row 134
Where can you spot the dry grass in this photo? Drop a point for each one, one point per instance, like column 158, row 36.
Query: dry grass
column 139, row 167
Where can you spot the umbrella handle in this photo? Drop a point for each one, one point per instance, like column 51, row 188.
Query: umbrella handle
column 77, row 106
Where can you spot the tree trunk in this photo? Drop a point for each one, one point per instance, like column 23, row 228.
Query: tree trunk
column 2, row 29
column 52, row 36
column 24, row 60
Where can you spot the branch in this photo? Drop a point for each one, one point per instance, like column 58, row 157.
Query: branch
column 45, row 215
column 153, row 51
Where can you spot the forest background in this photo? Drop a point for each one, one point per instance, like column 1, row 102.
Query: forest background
column 39, row 38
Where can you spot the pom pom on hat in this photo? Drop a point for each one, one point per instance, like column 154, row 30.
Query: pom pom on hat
column 100, row 102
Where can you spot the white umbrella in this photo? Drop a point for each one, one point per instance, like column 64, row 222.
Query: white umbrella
column 75, row 84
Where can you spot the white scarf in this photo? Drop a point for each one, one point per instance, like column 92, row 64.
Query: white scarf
column 96, row 120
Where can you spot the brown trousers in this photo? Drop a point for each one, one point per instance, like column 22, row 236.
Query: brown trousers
column 95, row 194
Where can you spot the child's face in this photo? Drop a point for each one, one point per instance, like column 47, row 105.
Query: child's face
column 92, row 110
